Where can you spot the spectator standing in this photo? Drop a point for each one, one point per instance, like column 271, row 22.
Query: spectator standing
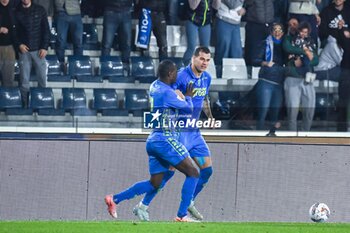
column 335, row 22
column 158, row 9
column 49, row 7
column 8, row 43
column 228, row 35
column 306, row 10
column 173, row 7
column 259, row 17
column 281, row 11
column 269, row 88
column 299, row 89
column 117, row 18
column 198, row 26
column 344, row 82
column 33, row 37
column 68, row 19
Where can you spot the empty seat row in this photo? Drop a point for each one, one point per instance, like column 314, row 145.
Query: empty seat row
column 74, row 101
column 111, row 68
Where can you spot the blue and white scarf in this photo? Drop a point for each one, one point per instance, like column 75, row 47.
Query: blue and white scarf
column 145, row 27
column 270, row 40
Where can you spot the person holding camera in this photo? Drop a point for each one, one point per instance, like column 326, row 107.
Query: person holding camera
column 298, row 86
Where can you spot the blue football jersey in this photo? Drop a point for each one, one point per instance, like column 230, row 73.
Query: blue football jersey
column 200, row 86
column 165, row 104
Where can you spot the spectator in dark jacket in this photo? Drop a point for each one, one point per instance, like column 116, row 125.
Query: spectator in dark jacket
column 8, row 43
column 259, row 17
column 269, row 89
column 33, row 36
column 336, row 22
column 49, row 7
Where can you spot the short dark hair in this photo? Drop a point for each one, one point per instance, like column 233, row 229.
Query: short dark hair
column 304, row 25
column 165, row 67
column 202, row 49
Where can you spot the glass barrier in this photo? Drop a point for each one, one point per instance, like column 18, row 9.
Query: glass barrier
column 91, row 100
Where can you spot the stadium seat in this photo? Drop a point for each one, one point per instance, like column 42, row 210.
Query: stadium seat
column 111, row 66
column 325, row 106
column 10, row 97
column 234, row 68
column 54, row 70
column 105, row 99
column 90, row 37
column 80, row 67
column 142, row 67
column 106, row 102
column 42, row 101
column 136, row 99
column 74, row 101
column 73, row 98
column 53, row 65
column 11, row 102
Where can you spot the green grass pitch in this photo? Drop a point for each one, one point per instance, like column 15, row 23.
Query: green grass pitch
column 165, row 227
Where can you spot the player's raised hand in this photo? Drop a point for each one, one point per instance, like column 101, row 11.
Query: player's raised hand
column 189, row 90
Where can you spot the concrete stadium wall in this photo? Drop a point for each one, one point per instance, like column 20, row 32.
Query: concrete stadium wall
column 54, row 180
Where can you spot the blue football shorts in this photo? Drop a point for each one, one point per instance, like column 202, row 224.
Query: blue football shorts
column 194, row 143
column 165, row 153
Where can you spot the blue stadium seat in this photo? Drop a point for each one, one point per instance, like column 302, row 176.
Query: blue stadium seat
column 142, row 67
column 111, row 66
column 74, row 101
column 136, row 99
column 80, row 67
column 325, row 107
column 73, row 98
column 11, row 102
column 54, row 70
column 90, row 37
column 105, row 99
column 10, row 97
column 53, row 65
column 106, row 102
column 42, row 100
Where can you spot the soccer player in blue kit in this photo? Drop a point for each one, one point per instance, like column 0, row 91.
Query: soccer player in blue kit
column 191, row 138
column 163, row 148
